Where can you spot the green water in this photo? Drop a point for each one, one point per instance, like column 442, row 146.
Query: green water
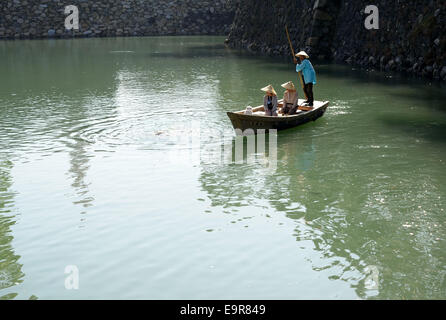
column 96, row 171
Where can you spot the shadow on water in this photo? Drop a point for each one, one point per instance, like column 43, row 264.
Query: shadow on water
column 193, row 51
column 219, row 50
column 418, row 126
column 429, row 97
column 186, row 55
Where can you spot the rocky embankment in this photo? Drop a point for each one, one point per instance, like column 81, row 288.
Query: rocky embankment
column 411, row 37
column 31, row 19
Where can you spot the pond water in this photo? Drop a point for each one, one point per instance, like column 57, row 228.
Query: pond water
column 97, row 171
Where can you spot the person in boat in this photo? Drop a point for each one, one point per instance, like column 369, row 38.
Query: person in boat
column 309, row 75
column 248, row 110
column 289, row 99
column 270, row 101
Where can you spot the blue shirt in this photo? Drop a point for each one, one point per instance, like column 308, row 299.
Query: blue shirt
column 308, row 71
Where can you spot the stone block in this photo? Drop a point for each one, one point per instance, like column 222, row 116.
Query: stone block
column 322, row 15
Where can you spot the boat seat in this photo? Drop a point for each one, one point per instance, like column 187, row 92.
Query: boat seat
column 262, row 113
column 297, row 112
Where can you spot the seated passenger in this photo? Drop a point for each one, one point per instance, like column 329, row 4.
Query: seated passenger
column 289, row 99
column 270, row 101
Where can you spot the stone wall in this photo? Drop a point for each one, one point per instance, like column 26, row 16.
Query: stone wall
column 411, row 38
column 259, row 26
column 323, row 28
column 24, row 19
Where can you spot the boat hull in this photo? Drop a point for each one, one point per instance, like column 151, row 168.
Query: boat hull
column 257, row 122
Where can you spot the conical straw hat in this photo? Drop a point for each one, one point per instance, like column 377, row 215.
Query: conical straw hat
column 302, row 53
column 269, row 88
column 289, row 86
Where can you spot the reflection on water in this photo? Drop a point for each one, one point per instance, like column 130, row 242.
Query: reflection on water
column 10, row 268
column 360, row 235
column 110, row 147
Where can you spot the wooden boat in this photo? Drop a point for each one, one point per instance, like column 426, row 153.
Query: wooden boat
column 258, row 120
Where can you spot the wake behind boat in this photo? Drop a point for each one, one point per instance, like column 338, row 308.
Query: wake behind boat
column 258, row 120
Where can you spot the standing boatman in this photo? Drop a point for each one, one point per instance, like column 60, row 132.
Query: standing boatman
column 309, row 76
